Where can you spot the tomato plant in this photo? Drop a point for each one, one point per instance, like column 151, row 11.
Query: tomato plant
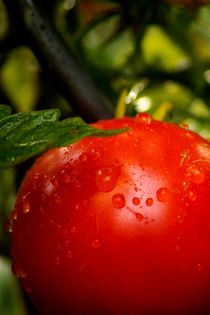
column 117, row 225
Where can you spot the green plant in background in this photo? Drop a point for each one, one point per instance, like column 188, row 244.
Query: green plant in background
column 96, row 59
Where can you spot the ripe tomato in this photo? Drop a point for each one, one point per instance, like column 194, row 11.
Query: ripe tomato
column 117, row 225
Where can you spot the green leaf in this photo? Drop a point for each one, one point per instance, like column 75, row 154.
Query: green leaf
column 5, row 111
column 24, row 135
column 11, row 299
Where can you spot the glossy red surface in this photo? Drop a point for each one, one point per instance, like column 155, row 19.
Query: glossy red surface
column 117, row 225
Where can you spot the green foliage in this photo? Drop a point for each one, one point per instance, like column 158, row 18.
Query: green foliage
column 143, row 55
column 24, row 135
column 11, row 299
column 19, row 78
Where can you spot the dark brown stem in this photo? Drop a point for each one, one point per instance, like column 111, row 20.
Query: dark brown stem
column 57, row 58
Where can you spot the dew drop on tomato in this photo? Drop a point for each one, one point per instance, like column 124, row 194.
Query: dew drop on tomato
column 26, row 287
column 136, row 201
column 139, row 216
column 192, row 195
column 144, row 118
column 149, row 202
column 83, row 157
column 18, row 271
column 67, row 166
column 57, row 261
column 184, row 126
column 54, row 181
column 9, row 222
column 118, row 201
column 14, row 214
column 184, row 184
column 96, row 243
column 195, row 174
column 106, row 178
column 26, row 206
column 66, row 177
column 162, row 194
column 8, row 225
column 73, row 230
column 199, row 267
column 130, row 133
column 69, row 254
column 57, row 198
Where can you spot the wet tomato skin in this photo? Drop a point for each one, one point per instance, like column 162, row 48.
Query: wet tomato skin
column 117, row 225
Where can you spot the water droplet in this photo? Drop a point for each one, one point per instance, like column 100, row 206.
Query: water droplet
column 130, row 132
column 67, row 166
column 36, row 176
column 136, row 201
column 184, row 126
column 96, row 244
column 18, row 271
column 26, row 287
column 118, row 201
column 195, row 174
column 144, row 118
column 8, row 224
column 54, row 181
column 69, row 254
column 77, row 207
column 185, row 184
column 106, row 178
column 139, row 216
column 162, row 194
column 199, row 267
column 67, row 242
column 57, row 198
column 57, row 261
column 82, row 267
column 26, row 206
column 149, row 202
column 192, row 195
column 73, row 230
column 14, row 214
column 189, row 135
column 83, row 157
column 66, row 176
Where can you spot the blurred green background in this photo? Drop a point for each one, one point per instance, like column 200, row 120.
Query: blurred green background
column 144, row 55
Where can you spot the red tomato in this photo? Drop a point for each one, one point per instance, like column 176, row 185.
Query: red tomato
column 117, row 225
